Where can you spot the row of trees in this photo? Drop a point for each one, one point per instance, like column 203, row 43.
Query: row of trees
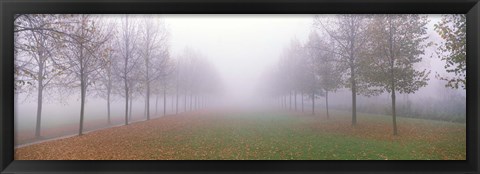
column 127, row 56
column 369, row 55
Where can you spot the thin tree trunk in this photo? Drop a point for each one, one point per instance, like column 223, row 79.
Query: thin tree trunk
column 392, row 78
column 125, row 69
column 172, row 105
column 176, row 105
column 126, row 104
column 185, row 102
column 295, row 98
column 290, row 100
column 302, row 101
column 108, row 105
column 326, row 102
column 394, row 114
column 191, row 100
column 156, row 105
column 148, row 100
column 131, row 105
column 164, row 101
column 313, row 103
column 354, row 97
column 145, row 107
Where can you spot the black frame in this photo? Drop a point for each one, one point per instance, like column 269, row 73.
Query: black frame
column 9, row 7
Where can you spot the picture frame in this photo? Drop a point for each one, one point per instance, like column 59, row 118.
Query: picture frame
column 10, row 7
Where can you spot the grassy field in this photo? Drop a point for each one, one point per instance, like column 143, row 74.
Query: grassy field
column 229, row 134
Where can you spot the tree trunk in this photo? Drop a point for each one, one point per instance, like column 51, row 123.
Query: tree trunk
column 191, row 100
column 354, row 97
column 145, row 108
column 290, row 100
column 302, row 101
column 392, row 76
column 185, row 102
column 148, row 100
column 156, row 105
column 125, row 70
column 126, row 103
column 39, row 104
column 313, row 103
column 394, row 114
column 131, row 105
column 82, row 103
column 295, row 98
column 164, row 101
column 108, row 105
column 176, row 105
column 326, row 102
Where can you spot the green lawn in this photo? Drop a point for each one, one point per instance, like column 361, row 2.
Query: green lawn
column 263, row 135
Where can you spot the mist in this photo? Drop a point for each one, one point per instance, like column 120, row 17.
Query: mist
column 241, row 50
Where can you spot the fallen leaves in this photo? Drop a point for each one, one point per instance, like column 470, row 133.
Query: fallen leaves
column 232, row 135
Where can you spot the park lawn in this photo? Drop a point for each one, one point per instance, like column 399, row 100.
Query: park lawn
column 262, row 135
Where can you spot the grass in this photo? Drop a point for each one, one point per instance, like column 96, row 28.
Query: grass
column 261, row 135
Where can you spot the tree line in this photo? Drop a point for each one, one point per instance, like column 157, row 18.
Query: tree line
column 369, row 55
column 127, row 56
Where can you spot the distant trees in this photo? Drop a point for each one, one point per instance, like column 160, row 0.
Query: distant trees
column 196, row 78
column 154, row 51
column 452, row 28
column 324, row 65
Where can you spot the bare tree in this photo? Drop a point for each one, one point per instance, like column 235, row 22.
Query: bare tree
column 129, row 59
column 85, row 54
column 38, row 36
column 154, row 50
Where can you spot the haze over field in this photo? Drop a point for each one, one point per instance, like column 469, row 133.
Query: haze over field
column 136, row 67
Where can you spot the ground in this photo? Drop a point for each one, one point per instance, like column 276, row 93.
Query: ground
column 232, row 134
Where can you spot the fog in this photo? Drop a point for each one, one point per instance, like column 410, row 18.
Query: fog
column 241, row 49
column 240, row 46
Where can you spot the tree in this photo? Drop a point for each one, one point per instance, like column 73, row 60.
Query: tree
column 348, row 31
column 106, row 79
column 85, row 54
column 397, row 43
column 452, row 28
column 324, row 64
column 154, row 50
column 106, row 85
column 40, row 63
column 129, row 60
